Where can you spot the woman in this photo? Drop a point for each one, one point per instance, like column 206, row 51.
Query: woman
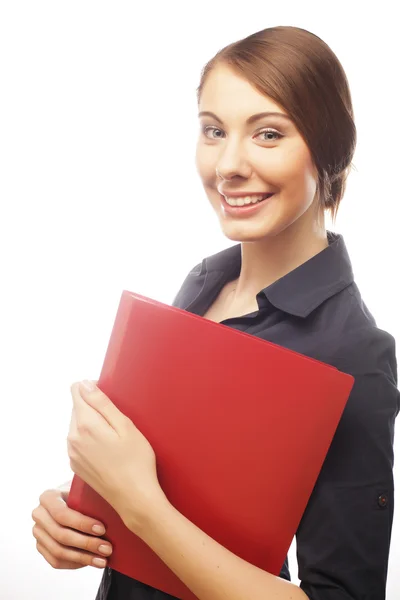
column 275, row 147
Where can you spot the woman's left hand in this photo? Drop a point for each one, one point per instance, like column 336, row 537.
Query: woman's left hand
column 111, row 455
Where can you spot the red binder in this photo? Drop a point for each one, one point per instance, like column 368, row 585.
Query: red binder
column 240, row 428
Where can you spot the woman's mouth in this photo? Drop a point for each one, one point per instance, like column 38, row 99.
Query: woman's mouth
column 245, row 205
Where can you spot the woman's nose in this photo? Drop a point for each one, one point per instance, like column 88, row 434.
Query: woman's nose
column 233, row 163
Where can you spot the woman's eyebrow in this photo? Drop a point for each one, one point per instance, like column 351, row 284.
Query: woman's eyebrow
column 250, row 120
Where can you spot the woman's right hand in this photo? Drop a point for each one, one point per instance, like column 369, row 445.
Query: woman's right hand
column 65, row 538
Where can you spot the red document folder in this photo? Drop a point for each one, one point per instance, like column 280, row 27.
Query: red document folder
column 240, row 428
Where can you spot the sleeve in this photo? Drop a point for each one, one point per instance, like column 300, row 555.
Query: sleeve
column 344, row 536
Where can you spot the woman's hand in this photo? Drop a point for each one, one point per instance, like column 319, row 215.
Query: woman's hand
column 111, row 455
column 65, row 538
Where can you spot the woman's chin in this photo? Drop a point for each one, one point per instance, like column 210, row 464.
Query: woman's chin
column 240, row 232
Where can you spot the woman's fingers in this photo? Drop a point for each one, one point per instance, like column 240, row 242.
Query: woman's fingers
column 69, row 537
column 54, row 562
column 64, row 557
column 54, row 501
column 65, row 538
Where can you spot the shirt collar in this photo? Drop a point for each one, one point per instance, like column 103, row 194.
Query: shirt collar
column 305, row 288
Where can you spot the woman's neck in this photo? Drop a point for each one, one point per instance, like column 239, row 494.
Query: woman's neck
column 266, row 261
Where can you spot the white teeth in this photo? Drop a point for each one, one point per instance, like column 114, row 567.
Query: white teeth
column 244, row 200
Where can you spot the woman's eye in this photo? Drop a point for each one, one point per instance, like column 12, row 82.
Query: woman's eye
column 216, row 133
column 270, row 132
column 209, row 128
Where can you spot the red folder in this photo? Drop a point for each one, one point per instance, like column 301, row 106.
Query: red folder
column 240, row 428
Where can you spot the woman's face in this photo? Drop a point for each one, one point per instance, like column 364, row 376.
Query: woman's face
column 238, row 154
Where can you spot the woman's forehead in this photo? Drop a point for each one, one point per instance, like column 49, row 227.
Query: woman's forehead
column 225, row 90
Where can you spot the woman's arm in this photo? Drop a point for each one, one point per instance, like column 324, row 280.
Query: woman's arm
column 105, row 449
column 208, row 569
column 346, row 555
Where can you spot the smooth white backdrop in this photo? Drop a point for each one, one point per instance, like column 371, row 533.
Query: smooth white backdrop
column 99, row 193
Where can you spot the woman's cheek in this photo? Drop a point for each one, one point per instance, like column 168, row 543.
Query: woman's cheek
column 272, row 167
column 207, row 157
column 201, row 162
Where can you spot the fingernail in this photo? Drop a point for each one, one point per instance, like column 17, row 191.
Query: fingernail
column 88, row 385
column 99, row 529
column 104, row 549
column 99, row 562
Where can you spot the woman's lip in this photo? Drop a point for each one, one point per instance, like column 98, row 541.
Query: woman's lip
column 241, row 211
column 244, row 194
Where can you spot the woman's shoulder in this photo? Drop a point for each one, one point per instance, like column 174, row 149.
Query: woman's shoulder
column 357, row 344
column 365, row 350
column 368, row 353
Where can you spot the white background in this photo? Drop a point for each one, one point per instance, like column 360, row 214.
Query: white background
column 99, row 193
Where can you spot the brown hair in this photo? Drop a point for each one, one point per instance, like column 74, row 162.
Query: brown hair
column 301, row 73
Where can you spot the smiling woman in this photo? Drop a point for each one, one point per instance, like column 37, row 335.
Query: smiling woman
column 265, row 125
column 303, row 86
column 275, row 146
